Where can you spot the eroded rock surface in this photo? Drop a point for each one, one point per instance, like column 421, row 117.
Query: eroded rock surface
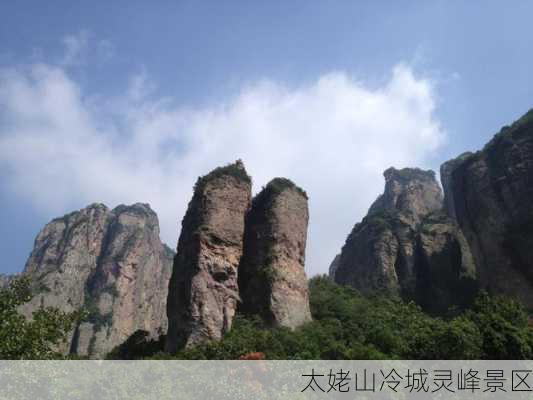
column 406, row 247
column 490, row 193
column 109, row 262
column 203, row 291
column 411, row 191
column 271, row 274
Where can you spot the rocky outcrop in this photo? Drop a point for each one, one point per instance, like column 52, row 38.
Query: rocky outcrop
column 4, row 280
column 333, row 267
column 108, row 262
column 271, row 273
column 406, row 247
column 411, row 191
column 203, row 290
column 490, row 194
column 445, row 267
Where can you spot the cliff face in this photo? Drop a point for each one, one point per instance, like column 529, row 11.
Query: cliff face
column 203, row 291
column 271, row 273
column 332, row 270
column 406, row 247
column 110, row 262
column 490, row 194
column 445, row 268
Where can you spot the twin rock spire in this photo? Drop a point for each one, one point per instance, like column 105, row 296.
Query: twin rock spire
column 234, row 252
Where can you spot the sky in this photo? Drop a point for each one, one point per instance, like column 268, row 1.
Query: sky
column 132, row 101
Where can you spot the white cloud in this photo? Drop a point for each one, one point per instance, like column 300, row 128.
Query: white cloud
column 75, row 47
column 80, row 46
column 333, row 137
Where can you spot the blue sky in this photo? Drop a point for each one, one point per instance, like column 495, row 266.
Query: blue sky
column 132, row 101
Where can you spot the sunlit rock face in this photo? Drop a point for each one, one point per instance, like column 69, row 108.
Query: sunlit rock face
column 108, row 262
column 203, row 291
column 271, row 274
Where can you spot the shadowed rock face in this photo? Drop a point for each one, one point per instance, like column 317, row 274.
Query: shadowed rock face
column 406, row 247
column 446, row 177
column 110, row 262
column 445, row 268
column 203, row 291
column 333, row 267
column 490, row 193
column 271, row 274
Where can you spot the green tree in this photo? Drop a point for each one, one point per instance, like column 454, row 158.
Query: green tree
column 503, row 324
column 34, row 338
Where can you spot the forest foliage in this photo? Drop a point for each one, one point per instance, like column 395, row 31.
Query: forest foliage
column 347, row 325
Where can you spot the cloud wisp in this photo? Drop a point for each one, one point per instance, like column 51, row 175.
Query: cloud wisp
column 333, row 137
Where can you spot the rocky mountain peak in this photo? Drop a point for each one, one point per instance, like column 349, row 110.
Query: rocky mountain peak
column 110, row 262
column 409, row 190
column 406, row 246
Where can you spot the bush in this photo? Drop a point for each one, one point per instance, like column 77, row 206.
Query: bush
column 236, row 170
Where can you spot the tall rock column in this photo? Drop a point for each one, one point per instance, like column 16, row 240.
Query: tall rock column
column 271, row 275
column 203, row 290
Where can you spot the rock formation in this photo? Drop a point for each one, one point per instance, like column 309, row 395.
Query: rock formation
column 410, row 191
column 271, row 273
column 333, row 267
column 406, row 247
column 446, row 178
column 445, row 268
column 203, row 290
column 490, row 193
column 109, row 262
column 4, row 280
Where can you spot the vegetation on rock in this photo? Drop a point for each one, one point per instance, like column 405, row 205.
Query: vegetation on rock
column 236, row 170
column 275, row 187
column 347, row 325
column 35, row 338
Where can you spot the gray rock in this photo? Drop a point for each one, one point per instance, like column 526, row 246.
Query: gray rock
column 110, row 262
column 4, row 280
column 446, row 178
column 407, row 248
column 203, row 291
column 411, row 191
column 271, row 273
column 333, row 267
column 490, row 194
